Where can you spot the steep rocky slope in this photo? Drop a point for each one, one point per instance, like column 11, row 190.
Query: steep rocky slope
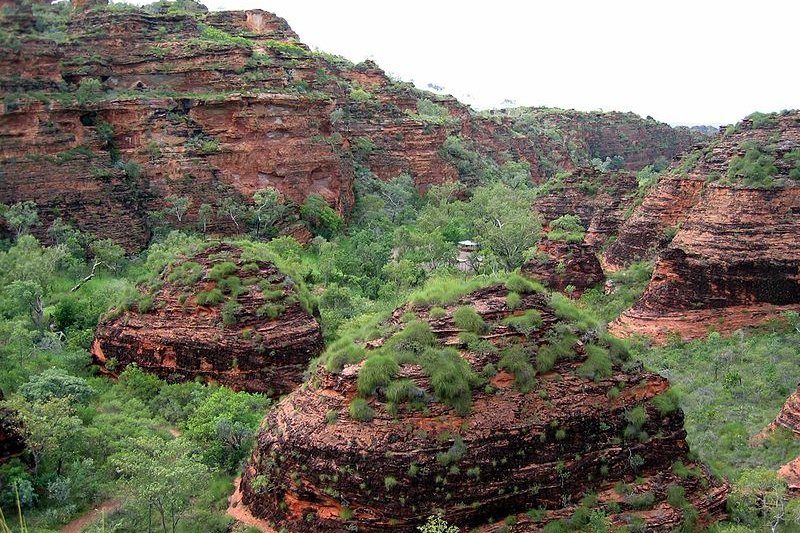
column 724, row 224
column 565, row 266
column 478, row 411
column 226, row 315
column 789, row 418
column 107, row 110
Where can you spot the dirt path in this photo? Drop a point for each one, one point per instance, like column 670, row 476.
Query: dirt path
column 237, row 510
column 88, row 517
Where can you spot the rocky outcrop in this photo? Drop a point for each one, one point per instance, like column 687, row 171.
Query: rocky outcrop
column 444, row 420
column 560, row 264
column 729, row 250
column 226, row 315
column 607, row 135
column 599, row 199
column 213, row 106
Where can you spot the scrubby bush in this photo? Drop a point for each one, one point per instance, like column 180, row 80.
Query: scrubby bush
column 513, row 300
column 598, row 363
column 515, row 360
column 210, row 297
column 526, row 323
column 360, row 410
column 377, row 371
column 467, row 318
column 519, row 284
column 566, row 228
column 222, row 270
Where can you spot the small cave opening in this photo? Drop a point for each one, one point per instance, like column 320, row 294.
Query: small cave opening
column 89, row 119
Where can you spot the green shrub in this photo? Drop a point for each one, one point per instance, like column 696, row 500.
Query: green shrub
column 378, row 371
column 454, row 453
column 145, row 303
column 210, row 297
column 222, row 270
column 756, row 167
column 598, row 363
column 467, row 318
column 452, row 378
column 361, row 411
column 566, row 228
column 437, row 312
column 403, row 390
column 667, row 402
column 526, row 323
column 566, row 309
column 414, row 338
column 230, row 312
column 390, row 482
column 637, row 416
column 517, row 283
column 339, row 355
column 676, row 495
column 515, row 360
column 474, row 343
column 270, row 310
column 640, row 500
column 187, row 273
column 545, row 360
column 232, row 285
column 513, row 300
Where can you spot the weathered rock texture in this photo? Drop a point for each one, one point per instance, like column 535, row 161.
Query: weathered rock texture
column 728, row 253
column 789, row 418
column 218, row 105
column 560, row 264
column 261, row 349
column 316, row 469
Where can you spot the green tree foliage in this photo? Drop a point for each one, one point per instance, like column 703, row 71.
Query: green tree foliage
column 760, row 500
column 160, row 478
column 21, row 217
column 177, row 206
column 320, row 217
column 223, row 426
column 566, row 228
column 56, row 383
column 268, row 210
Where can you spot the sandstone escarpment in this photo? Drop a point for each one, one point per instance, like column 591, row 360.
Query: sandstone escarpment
column 211, row 106
column 639, row 142
column 420, row 416
column 730, row 255
column 226, row 315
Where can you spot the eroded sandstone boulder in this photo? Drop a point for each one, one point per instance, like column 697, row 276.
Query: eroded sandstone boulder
column 570, row 267
column 725, row 226
column 483, row 407
column 226, row 314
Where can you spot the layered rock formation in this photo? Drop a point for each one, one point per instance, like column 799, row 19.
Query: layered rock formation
column 725, row 225
column 789, row 418
column 224, row 315
column 107, row 110
column 419, row 415
column 565, row 266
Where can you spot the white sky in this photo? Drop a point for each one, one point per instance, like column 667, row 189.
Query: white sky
column 681, row 61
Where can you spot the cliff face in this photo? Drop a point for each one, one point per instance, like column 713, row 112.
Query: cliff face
column 734, row 256
column 223, row 315
column 411, row 446
column 107, row 110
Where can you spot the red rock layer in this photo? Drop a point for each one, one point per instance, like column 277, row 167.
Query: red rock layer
column 735, row 256
column 599, row 199
column 182, row 341
column 316, row 469
column 561, row 264
column 209, row 115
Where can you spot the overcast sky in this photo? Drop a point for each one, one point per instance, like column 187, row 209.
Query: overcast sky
column 681, row 61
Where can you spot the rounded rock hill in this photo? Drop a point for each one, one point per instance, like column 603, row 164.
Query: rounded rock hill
column 227, row 314
column 478, row 404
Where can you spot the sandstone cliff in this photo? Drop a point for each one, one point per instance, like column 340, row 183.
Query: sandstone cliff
column 224, row 315
column 527, row 410
column 725, row 229
column 107, row 110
